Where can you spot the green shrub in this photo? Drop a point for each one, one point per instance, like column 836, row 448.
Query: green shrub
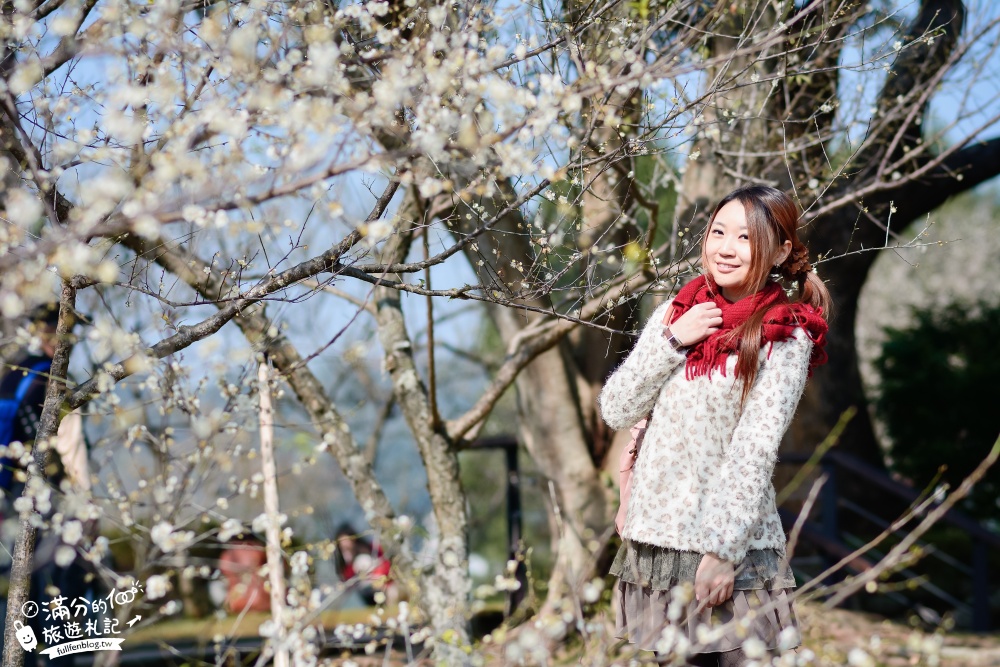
column 939, row 398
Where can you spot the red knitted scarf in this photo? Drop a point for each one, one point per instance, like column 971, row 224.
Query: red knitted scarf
column 779, row 324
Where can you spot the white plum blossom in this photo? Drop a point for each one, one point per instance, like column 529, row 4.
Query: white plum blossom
column 230, row 528
column 300, row 563
column 788, row 639
column 858, row 657
column 157, row 586
column 22, row 207
column 161, row 532
column 431, row 186
column 72, row 532
column 377, row 231
column 65, row 555
column 168, row 539
column 754, row 648
column 109, row 340
column 12, row 306
column 592, row 590
column 262, row 521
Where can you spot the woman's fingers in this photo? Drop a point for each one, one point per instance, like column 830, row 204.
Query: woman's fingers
column 711, row 310
column 719, row 594
column 724, row 593
column 715, row 593
column 699, row 322
column 714, row 581
column 705, row 589
column 703, row 592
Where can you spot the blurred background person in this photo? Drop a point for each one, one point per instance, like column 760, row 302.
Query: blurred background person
column 361, row 564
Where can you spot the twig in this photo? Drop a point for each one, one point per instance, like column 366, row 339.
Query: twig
column 275, row 568
column 828, row 442
column 800, row 520
column 897, row 552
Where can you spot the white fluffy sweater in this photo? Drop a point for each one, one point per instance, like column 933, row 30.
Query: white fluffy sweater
column 702, row 481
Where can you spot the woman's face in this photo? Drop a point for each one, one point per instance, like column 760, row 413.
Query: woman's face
column 727, row 251
column 346, row 544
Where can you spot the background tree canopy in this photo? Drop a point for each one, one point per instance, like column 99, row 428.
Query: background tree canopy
column 938, row 398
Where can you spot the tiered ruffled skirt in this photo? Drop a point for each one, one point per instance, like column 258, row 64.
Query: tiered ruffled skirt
column 760, row 606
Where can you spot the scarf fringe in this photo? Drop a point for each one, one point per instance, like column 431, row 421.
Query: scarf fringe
column 780, row 322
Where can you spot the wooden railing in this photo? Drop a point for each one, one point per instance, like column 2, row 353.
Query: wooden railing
column 828, row 534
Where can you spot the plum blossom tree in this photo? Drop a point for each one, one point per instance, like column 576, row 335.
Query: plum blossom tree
column 207, row 164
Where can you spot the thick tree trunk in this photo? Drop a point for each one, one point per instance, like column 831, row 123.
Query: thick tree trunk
column 446, row 587
column 550, row 417
column 551, row 428
column 837, row 386
column 445, row 590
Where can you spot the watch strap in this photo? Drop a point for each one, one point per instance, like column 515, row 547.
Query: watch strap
column 672, row 339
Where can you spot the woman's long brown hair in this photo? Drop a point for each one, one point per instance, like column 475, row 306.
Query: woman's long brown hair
column 772, row 219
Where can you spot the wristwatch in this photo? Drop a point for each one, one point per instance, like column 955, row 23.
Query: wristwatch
column 672, row 339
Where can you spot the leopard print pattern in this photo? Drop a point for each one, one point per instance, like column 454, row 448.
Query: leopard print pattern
column 702, row 481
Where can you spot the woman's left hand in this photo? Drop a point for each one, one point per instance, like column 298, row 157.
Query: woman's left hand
column 713, row 582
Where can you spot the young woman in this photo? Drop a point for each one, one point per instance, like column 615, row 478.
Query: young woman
column 719, row 371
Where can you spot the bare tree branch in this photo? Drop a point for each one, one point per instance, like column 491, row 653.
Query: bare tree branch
column 439, row 455
column 48, row 426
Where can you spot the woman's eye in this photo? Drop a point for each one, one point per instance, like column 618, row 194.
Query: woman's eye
column 744, row 236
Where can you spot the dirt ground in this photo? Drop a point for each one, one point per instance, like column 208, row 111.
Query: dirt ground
column 833, row 633
column 834, row 636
